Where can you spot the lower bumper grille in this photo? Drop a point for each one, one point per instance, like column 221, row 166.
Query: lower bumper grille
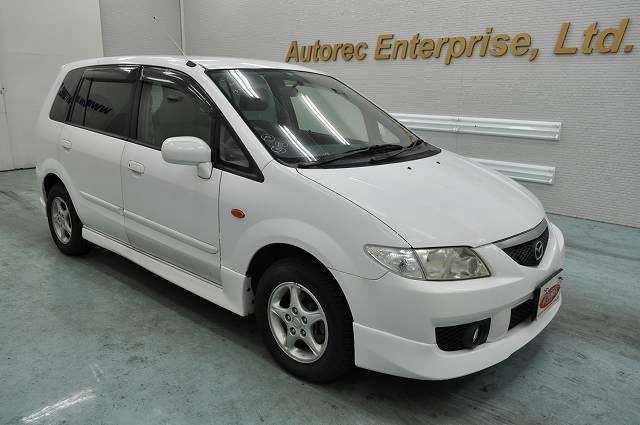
column 522, row 312
column 453, row 338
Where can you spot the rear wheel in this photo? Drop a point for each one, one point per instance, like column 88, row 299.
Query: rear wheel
column 64, row 223
column 305, row 320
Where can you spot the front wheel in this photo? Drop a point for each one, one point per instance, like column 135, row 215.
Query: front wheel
column 305, row 320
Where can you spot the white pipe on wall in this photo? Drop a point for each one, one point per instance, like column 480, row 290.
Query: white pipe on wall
column 527, row 129
column 531, row 173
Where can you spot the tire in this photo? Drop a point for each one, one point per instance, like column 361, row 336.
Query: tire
column 64, row 223
column 319, row 294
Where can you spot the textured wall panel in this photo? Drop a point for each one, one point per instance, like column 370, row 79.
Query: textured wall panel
column 36, row 38
column 128, row 27
column 596, row 97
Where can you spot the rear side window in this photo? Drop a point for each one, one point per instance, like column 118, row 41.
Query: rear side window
column 77, row 116
column 63, row 98
column 103, row 102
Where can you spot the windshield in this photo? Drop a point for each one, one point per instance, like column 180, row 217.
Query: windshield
column 308, row 118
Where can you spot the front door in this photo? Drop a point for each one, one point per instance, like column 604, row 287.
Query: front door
column 170, row 212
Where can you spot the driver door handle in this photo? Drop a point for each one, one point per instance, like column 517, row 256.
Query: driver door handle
column 66, row 144
column 136, row 167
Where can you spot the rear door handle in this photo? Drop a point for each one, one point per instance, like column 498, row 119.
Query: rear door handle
column 66, row 144
column 136, row 167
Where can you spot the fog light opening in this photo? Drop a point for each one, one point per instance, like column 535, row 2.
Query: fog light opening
column 475, row 334
column 463, row 336
column 471, row 336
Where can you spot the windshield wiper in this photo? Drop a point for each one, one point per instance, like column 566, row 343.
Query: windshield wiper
column 411, row 146
column 352, row 152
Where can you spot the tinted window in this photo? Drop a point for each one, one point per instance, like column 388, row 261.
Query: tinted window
column 104, row 103
column 63, row 98
column 169, row 109
column 230, row 151
column 109, row 106
column 77, row 116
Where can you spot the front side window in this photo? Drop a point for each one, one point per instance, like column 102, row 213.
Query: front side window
column 170, row 107
column 104, row 99
column 230, row 151
column 304, row 118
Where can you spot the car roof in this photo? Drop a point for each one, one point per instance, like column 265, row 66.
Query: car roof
column 180, row 62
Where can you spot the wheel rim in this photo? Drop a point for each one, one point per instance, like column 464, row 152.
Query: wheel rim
column 298, row 322
column 61, row 219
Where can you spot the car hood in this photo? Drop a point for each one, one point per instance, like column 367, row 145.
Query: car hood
column 442, row 200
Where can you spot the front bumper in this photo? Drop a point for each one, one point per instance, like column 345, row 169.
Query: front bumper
column 395, row 318
column 388, row 353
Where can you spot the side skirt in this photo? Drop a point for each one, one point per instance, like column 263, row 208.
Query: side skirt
column 235, row 294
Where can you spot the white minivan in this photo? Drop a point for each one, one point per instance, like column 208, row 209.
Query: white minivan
column 275, row 190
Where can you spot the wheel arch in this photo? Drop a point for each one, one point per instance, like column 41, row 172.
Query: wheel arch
column 50, row 172
column 50, row 180
column 271, row 253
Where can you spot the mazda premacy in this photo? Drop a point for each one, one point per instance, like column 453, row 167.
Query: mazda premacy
column 275, row 190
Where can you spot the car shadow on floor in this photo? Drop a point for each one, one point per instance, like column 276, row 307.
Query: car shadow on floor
column 471, row 393
column 187, row 304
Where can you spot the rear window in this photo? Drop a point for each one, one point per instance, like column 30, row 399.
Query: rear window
column 103, row 102
column 64, row 96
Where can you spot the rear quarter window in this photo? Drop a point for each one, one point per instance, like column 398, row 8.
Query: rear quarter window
column 64, row 96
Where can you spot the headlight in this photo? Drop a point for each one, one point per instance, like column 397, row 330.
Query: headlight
column 451, row 263
column 402, row 261
column 456, row 263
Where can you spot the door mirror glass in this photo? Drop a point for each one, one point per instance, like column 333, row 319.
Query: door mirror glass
column 188, row 150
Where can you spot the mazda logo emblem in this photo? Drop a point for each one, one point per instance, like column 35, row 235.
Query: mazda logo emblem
column 538, row 250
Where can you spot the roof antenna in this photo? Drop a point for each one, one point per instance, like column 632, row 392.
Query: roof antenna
column 190, row 63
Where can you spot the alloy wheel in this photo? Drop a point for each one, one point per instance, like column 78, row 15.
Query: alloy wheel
column 297, row 322
column 61, row 219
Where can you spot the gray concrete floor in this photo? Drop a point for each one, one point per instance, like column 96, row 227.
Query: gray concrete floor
column 100, row 340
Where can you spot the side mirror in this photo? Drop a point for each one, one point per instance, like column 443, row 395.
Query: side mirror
column 188, row 150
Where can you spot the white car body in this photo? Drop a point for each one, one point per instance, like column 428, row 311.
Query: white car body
column 178, row 226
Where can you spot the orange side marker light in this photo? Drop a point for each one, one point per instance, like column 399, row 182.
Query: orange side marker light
column 237, row 213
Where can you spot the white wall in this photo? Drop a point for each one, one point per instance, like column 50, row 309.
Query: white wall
column 596, row 97
column 36, row 38
column 6, row 157
column 128, row 27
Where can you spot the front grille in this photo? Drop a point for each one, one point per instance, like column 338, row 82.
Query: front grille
column 450, row 338
column 522, row 312
column 525, row 253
